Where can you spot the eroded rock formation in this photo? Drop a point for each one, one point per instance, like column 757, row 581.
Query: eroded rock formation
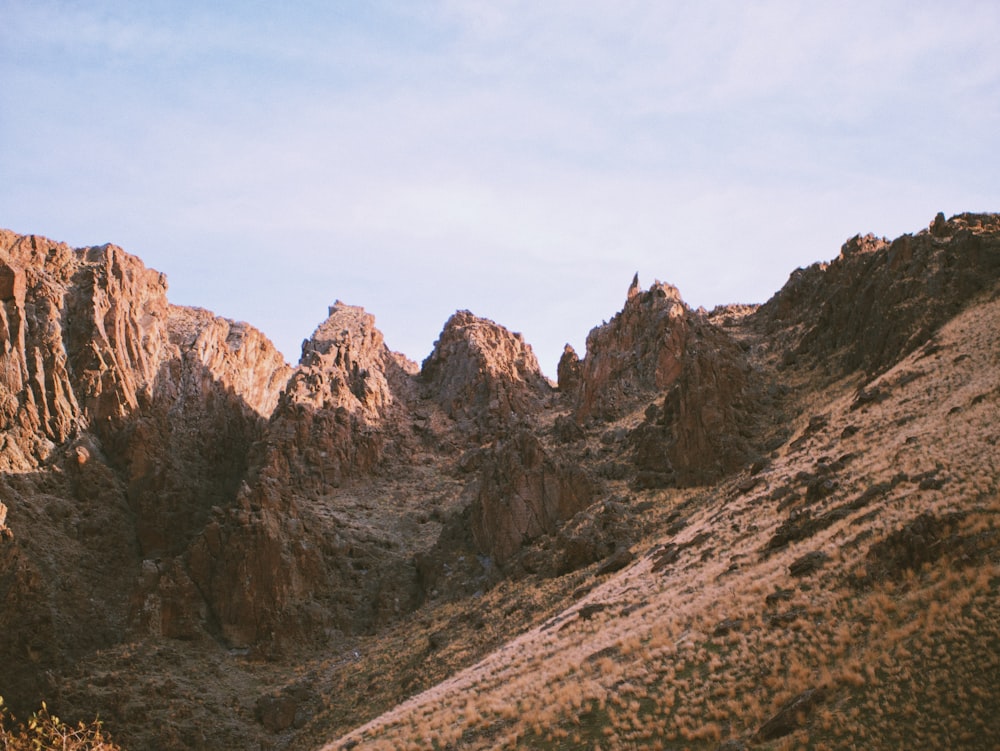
column 165, row 475
column 640, row 351
column 124, row 418
column 522, row 492
column 483, row 375
column 694, row 377
column 879, row 300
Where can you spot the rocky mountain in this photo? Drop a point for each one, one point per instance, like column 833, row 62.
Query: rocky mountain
column 213, row 549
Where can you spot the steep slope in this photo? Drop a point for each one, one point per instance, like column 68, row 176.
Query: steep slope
column 843, row 592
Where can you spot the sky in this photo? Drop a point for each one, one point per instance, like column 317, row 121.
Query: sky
column 521, row 160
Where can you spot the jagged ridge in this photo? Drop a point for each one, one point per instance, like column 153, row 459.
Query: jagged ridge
column 267, row 508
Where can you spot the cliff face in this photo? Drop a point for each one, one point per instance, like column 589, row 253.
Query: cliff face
column 640, row 351
column 125, row 418
column 689, row 375
column 269, row 561
column 522, row 493
column 83, row 339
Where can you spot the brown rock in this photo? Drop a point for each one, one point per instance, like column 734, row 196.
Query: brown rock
column 274, row 553
column 639, row 351
column 596, row 534
column 920, row 541
column 136, row 417
column 568, row 371
column 522, row 493
column 483, row 375
column 808, row 563
column 878, row 300
column 345, row 394
column 657, row 348
column 12, row 283
column 704, row 427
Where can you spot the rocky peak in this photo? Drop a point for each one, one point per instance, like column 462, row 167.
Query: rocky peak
column 859, row 245
column 568, row 371
column 690, row 377
column 345, row 364
column 483, row 375
column 638, row 352
column 234, row 354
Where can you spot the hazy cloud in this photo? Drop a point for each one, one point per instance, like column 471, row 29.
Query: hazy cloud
column 519, row 159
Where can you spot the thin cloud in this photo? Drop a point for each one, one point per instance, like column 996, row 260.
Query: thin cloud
column 522, row 159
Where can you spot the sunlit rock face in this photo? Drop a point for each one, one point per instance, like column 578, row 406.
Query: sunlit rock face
column 484, row 376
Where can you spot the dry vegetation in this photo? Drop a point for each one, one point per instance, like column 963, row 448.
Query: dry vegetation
column 846, row 595
column 43, row 730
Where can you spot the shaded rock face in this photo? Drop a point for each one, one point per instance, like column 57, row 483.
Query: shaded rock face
column 568, row 371
column 269, row 561
column 522, row 492
column 187, row 451
column 124, row 420
column 704, row 426
column 879, row 300
column 483, row 375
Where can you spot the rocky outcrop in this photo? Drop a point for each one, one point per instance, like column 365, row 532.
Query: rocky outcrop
column 568, row 371
column 187, row 451
column 700, row 391
column 483, row 375
column 268, row 561
column 637, row 353
column 704, row 426
column 342, row 405
column 125, row 420
column 879, row 300
column 522, row 492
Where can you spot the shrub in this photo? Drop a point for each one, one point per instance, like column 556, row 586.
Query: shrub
column 46, row 731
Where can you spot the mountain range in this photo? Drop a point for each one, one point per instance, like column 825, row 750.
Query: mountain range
column 760, row 526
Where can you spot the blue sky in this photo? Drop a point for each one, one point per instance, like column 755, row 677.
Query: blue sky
column 518, row 159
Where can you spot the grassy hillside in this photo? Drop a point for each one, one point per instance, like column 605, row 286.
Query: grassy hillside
column 843, row 595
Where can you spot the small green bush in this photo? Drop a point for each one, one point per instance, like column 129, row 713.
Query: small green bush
column 45, row 731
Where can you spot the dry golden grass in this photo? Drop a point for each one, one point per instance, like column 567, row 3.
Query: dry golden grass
column 43, row 730
column 697, row 653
